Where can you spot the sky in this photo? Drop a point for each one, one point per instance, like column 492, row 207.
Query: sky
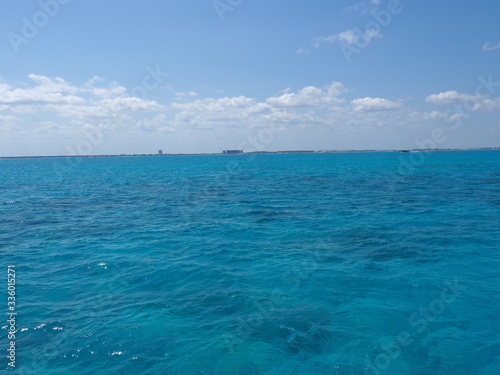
column 200, row 76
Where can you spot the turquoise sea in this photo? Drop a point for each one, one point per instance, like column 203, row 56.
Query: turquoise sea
column 355, row 263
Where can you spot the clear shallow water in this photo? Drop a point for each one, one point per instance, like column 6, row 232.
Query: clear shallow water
column 272, row 264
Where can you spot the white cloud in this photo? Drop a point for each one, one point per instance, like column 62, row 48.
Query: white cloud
column 8, row 118
column 488, row 46
column 159, row 123
column 57, row 84
column 474, row 103
column 49, row 127
column 351, row 37
column 111, row 91
column 348, row 36
column 449, row 97
column 128, row 104
column 302, row 51
column 374, row 104
column 4, row 119
column 51, row 107
column 43, row 93
column 434, row 115
column 310, row 97
column 284, row 117
column 58, row 96
column 9, row 124
column 287, row 108
column 364, row 7
column 489, row 105
column 220, row 110
column 186, row 94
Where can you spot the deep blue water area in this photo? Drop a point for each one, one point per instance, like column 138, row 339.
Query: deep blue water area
column 348, row 263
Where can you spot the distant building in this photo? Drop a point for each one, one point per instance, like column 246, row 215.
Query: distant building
column 232, row 152
column 160, row 152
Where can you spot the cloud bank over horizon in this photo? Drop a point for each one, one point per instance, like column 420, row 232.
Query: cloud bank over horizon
column 52, row 109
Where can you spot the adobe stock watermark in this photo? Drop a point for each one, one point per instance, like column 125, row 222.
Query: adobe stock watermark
column 93, row 136
column 261, row 310
column 54, row 347
column 150, row 82
column 31, row 26
column 419, row 323
column 264, row 308
column 483, row 91
column 292, row 278
column 252, row 144
column 111, row 280
column 362, row 39
column 11, row 315
column 460, row 111
column 223, row 6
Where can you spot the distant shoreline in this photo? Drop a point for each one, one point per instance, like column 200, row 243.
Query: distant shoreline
column 248, row 153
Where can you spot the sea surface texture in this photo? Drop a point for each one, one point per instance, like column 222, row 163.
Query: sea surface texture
column 359, row 263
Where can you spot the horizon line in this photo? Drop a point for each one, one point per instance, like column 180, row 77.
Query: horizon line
column 253, row 153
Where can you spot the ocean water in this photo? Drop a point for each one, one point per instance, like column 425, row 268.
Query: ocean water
column 360, row 263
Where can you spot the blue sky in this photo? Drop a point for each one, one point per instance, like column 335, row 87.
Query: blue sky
column 103, row 77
